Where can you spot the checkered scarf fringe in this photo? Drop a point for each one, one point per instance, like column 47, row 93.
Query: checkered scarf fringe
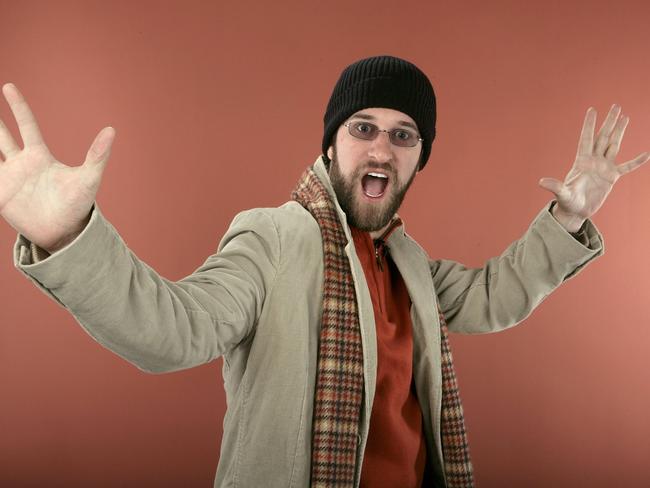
column 339, row 381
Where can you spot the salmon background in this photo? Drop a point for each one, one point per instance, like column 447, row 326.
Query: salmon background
column 218, row 107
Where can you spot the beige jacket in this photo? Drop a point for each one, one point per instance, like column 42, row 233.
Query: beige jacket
column 257, row 303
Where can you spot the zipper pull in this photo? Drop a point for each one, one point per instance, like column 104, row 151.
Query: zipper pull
column 378, row 257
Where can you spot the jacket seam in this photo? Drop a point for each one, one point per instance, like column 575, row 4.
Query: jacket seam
column 241, row 432
column 300, row 429
column 279, row 241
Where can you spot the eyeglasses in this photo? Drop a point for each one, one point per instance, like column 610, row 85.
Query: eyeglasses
column 368, row 132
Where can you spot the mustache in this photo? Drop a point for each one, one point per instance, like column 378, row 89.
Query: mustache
column 380, row 167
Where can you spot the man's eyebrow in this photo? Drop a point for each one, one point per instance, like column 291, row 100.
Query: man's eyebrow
column 405, row 123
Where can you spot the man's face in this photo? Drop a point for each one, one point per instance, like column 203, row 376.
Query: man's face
column 370, row 202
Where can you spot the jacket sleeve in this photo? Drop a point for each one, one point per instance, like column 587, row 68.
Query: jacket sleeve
column 156, row 324
column 507, row 289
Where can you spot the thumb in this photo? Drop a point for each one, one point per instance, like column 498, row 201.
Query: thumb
column 552, row 185
column 100, row 149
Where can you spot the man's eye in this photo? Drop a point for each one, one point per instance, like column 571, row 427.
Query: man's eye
column 403, row 135
column 364, row 128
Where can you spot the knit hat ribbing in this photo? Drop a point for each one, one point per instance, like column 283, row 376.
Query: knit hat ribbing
column 383, row 82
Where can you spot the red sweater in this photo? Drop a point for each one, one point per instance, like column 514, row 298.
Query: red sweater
column 395, row 453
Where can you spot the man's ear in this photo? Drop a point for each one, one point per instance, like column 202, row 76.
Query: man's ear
column 330, row 152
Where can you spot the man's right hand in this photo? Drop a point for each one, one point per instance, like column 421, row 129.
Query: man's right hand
column 44, row 200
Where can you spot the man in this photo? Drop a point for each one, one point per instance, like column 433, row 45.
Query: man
column 329, row 317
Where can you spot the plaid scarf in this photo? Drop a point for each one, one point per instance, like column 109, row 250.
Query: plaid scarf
column 339, row 381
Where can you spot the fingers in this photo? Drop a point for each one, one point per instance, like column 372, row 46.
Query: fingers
column 609, row 138
column 27, row 125
column 586, row 144
column 97, row 157
column 633, row 164
column 100, row 149
column 602, row 139
column 7, row 144
column 616, row 138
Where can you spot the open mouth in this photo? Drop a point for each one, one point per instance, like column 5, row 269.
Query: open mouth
column 374, row 184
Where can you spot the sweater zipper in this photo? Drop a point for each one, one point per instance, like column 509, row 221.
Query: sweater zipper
column 379, row 243
column 378, row 256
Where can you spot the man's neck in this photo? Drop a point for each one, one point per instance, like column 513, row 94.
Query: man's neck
column 376, row 234
column 386, row 230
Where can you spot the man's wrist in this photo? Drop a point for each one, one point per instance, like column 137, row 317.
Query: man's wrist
column 572, row 223
column 64, row 241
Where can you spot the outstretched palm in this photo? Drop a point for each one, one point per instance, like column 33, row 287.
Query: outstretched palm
column 46, row 201
column 594, row 171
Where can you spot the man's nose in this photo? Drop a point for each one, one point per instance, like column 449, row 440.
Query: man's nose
column 381, row 149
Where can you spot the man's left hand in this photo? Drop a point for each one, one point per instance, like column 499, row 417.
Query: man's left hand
column 594, row 171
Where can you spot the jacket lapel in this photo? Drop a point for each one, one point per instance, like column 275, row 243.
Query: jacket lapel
column 413, row 264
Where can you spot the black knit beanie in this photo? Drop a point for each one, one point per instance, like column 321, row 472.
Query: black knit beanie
column 383, row 82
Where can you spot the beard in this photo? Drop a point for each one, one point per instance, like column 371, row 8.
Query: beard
column 364, row 215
